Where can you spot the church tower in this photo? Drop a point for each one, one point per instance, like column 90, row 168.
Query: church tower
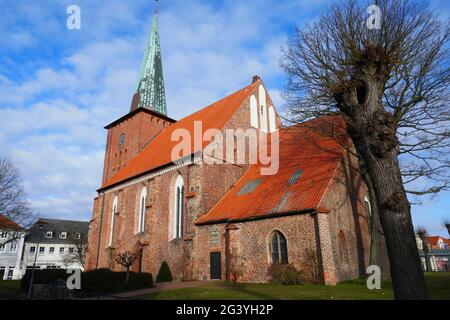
column 128, row 135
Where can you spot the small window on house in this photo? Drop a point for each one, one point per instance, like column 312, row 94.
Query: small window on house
column 41, row 250
column 32, row 250
column 70, row 250
column 278, row 248
column 342, row 246
column 63, row 235
column 3, row 235
column 61, row 250
column 51, row 250
column 77, row 235
column 2, row 247
column 13, row 246
column 49, row 234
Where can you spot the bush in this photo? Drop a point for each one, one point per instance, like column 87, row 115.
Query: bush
column 44, row 276
column 164, row 274
column 93, row 281
column 286, row 274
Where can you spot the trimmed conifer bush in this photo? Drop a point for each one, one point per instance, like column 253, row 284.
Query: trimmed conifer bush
column 164, row 274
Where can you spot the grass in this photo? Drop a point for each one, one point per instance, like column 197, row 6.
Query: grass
column 438, row 286
column 9, row 288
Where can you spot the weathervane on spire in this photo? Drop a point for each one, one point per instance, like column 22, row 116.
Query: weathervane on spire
column 156, row 6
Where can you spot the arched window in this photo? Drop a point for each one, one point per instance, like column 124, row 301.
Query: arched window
column 142, row 202
column 342, row 246
column 178, row 207
column 253, row 112
column 272, row 123
column 262, row 109
column 278, row 248
column 113, row 218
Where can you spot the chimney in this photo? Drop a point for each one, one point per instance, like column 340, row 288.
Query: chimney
column 255, row 78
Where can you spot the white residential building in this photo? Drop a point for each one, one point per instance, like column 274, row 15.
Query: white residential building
column 54, row 244
column 11, row 249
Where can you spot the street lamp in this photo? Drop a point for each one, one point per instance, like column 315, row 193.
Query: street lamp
column 40, row 223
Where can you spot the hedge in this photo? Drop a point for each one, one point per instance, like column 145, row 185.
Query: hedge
column 93, row 281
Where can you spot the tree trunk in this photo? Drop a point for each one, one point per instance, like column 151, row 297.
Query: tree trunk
column 374, row 133
column 378, row 254
column 426, row 252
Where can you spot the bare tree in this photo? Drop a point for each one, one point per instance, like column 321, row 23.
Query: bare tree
column 422, row 234
column 126, row 259
column 78, row 256
column 446, row 224
column 12, row 197
column 391, row 86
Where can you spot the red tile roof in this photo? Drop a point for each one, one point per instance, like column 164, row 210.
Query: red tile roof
column 158, row 152
column 8, row 224
column 301, row 147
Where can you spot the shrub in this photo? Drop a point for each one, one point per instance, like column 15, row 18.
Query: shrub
column 286, row 274
column 44, row 276
column 93, row 281
column 164, row 274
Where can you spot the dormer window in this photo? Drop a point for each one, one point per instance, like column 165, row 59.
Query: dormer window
column 3, row 235
column 63, row 235
column 77, row 235
column 49, row 234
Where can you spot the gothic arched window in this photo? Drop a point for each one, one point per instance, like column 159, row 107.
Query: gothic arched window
column 272, row 122
column 142, row 203
column 253, row 112
column 262, row 108
column 113, row 218
column 278, row 248
column 342, row 246
column 178, row 207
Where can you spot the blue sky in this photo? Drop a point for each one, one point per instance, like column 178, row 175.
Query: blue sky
column 59, row 87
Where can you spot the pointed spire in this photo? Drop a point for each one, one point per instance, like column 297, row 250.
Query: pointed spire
column 151, row 81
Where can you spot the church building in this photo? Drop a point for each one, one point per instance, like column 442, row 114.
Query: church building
column 227, row 220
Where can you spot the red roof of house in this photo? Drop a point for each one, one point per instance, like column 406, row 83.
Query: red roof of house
column 432, row 240
column 301, row 148
column 8, row 224
column 158, row 152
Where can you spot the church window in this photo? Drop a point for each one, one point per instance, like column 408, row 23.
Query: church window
column 367, row 207
column 342, row 246
column 263, row 110
column 142, row 204
column 253, row 112
column 278, row 248
column 272, row 123
column 122, row 139
column 113, row 218
column 178, row 207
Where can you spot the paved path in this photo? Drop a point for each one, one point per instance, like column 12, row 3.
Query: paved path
column 160, row 286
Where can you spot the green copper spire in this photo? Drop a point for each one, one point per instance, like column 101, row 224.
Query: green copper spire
column 151, row 81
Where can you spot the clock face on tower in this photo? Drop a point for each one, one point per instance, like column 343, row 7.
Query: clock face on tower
column 122, row 139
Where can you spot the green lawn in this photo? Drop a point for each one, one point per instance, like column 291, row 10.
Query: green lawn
column 9, row 288
column 438, row 286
